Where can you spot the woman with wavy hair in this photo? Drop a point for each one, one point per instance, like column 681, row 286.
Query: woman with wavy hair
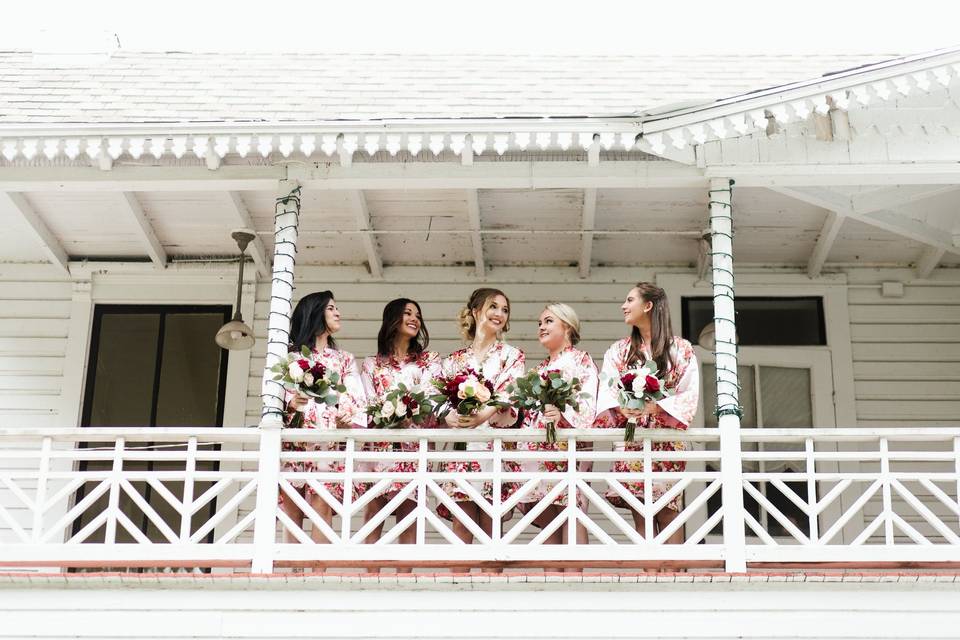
column 315, row 319
column 651, row 338
column 402, row 357
column 483, row 321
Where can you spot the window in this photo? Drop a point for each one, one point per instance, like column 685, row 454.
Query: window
column 763, row 321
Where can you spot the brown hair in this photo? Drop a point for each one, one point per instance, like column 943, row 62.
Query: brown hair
column 479, row 300
column 661, row 330
column 390, row 327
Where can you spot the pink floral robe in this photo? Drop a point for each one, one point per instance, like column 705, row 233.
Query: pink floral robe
column 676, row 412
column 380, row 374
column 349, row 412
column 573, row 363
column 501, row 366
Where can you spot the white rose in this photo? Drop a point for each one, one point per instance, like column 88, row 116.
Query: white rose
column 639, row 383
column 387, row 409
column 401, row 409
column 482, row 393
column 296, row 373
column 308, row 379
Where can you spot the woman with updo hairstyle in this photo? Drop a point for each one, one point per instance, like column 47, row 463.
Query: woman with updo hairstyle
column 559, row 333
column 651, row 338
column 314, row 321
column 402, row 357
column 483, row 321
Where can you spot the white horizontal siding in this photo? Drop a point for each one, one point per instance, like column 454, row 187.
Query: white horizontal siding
column 906, row 354
column 685, row 609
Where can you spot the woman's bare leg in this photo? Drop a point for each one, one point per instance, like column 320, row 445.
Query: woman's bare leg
column 293, row 512
column 462, row 532
column 369, row 512
column 408, row 535
column 664, row 518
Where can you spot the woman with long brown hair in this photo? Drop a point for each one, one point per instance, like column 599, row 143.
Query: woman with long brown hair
column 402, row 357
column 651, row 338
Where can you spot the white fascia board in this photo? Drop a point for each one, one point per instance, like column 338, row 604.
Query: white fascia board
column 801, row 90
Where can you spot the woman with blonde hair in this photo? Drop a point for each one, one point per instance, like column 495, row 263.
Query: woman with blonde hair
column 651, row 338
column 483, row 321
column 559, row 332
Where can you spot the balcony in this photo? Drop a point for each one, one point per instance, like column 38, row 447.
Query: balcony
column 164, row 498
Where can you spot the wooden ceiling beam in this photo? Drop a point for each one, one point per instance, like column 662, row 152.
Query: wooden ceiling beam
column 48, row 242
column 476, row 239
column 258, row 250
column 587, row 222
column 890, row 221
column 359, row 203
column 147, row 235
column 828, row 234
column 928, row 261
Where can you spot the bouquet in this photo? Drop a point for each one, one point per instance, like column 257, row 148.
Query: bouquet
column 535, row 390
column 635, row 388
column 466, row 392
column 301, row 374
column 398, row 405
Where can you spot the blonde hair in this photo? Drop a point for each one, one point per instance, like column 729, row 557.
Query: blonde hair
column 567, row 316
column 478, row 302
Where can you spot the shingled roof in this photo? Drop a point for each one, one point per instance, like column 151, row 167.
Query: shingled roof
column 136, row 87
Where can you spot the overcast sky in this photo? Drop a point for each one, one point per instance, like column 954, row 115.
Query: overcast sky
column 490, row 26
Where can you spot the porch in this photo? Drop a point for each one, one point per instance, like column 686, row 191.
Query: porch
column 851, row 499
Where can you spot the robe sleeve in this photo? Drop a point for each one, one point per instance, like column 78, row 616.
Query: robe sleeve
column 352, row 408
column 586, row 371
column 513, row 368
column 681, row 405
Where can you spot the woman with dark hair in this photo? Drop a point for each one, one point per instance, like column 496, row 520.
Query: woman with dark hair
column 315, row 319
column 647, row 313
column 402, row 357
column 483, row 321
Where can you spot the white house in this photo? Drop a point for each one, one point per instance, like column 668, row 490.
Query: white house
column 827, row 185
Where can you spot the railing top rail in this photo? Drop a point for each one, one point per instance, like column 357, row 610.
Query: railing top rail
column 251, row 434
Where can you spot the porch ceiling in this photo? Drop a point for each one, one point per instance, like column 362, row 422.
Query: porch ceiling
column 659, row 226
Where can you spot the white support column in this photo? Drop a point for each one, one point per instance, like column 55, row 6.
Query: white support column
column 728, row 400
column 286, row 227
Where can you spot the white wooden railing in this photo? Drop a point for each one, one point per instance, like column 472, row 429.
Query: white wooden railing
column 208, row 498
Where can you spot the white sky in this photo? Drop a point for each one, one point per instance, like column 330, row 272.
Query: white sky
column 487, row 26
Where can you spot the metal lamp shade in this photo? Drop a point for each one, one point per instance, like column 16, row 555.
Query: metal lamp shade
column 235, row 335
column 708, row 337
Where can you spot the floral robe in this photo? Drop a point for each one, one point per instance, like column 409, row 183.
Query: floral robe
column 682, row 384
column 501, row 366
column 349, row 412
column 573, row 363
column 380, row 374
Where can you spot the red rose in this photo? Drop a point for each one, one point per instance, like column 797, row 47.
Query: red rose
column 627, row 380
column 651, row 385
column 303, row 364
